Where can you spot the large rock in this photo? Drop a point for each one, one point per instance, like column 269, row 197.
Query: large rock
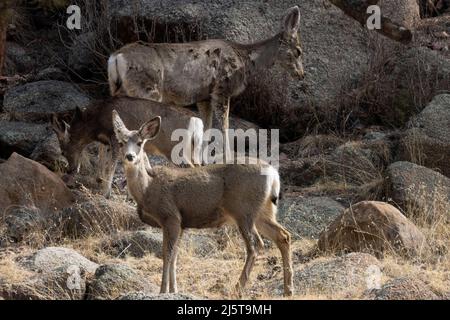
column 114, row 280
column 18, row 60
column 82, row 53
column 404, row 12
column 135, row 244
column 20, row 137
column 306, row 217
column 162, row 296
column 49, row 259
column 61, row 284
column 372, row 226
column 420, row 191
column 48, row 153
column 357, row 162
column 25, row 224
column 428, row 140
column 25, row 182
column 339, row 277
column 403, row 289
column 38, row 100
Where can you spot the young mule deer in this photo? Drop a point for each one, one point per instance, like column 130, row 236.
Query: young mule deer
column 206, row 72
column 203, row 197
column 94, row 124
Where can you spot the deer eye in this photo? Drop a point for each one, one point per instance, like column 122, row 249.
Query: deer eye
column 299, row 52
column 120, row 144
column 139, row 143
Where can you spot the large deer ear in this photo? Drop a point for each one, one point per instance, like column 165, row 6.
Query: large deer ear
column 291, row 22
column 119, row 127
column 150, row 129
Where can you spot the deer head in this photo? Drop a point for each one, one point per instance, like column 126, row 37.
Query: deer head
column 290, row 54
column 132, row 142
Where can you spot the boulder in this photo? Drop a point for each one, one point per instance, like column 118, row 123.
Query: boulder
column 61, row 284
column 311, row 145
column 135, row 244
column 48, row 153
column 51, row 73
column 49, row 259
column 27, row 183
column 114, row 280
column 427, row 141
column 335, row 277
column 36, row 101
column 82, row 53
column 403, row 289
column 24, row 224
column 20, row 137
column 161, row 296
column 375, row 227
column 301, row 172
column 357, row 162
column 420, row 191
column 20, row 61
column 306, row 217
column 410, row 95
column 404, row 12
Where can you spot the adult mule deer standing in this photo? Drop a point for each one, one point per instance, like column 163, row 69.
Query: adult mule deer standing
column 206, row 72
column 203, row 197
column 94, row 124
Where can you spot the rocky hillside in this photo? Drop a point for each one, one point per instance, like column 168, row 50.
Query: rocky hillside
column 364, row 158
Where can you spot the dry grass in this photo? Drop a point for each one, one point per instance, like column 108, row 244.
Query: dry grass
column 394, row 87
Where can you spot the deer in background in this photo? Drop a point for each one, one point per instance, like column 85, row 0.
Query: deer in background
column 94, row 124
column 203, row 197
column 207, row 73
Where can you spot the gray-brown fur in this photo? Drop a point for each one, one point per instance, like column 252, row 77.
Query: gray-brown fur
column 207, row 72
column 203, row 197
column 94, row 124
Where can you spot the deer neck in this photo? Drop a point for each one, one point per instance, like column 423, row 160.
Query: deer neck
column 139, row 177
column 263, row 54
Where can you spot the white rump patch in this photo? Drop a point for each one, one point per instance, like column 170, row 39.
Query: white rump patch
column 195, row 130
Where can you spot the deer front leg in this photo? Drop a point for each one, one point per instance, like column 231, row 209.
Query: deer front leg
column 173, row 266
column 171, row 235
column 205, row 110
column 220, row 106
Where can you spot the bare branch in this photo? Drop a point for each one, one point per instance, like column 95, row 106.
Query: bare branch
column 357, row 9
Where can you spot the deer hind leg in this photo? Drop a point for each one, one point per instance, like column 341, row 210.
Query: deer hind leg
column 270, row 228
column 253, row 243
column 171, row 236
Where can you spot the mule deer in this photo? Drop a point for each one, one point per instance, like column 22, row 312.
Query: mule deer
column 94, row 124
column 203, row 197
column 208, row 72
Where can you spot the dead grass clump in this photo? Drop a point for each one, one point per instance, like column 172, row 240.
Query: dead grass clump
column 97, row 216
